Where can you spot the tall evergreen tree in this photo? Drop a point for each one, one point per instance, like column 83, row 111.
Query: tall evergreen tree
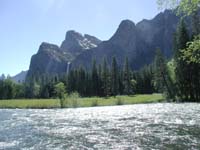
column 114, row 78
column 191, row 56
column 105, row 79
column 100, row 91
column 71, row 82
column 120, row 81
column 163, row 83
column 95, row 79
column 181, row 70
column 81, row 89
column 195, row 23
column 126, row 76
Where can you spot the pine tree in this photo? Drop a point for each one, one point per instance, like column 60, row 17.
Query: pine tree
column 120, row 81
column 95, row 79
column 181, row 70
column 195, row 23
column 191, row 56
column 126, row 75
column 100, row 90
column 162, row 80
column 81, row 81
column 114, row 78
column 71, row 82
column 105, row 79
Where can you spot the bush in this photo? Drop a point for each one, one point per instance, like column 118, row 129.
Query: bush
column 95, row 103
column 119, row 101
column 73, row 100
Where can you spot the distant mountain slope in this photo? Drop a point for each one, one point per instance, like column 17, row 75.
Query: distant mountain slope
column 137, row 42
column 20, row 78
column 53, row 59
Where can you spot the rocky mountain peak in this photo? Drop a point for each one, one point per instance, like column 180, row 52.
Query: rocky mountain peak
column 75, row 43
column 48, row 47
column 93, row 39
column 125, row 34
column 45, row 45
column 137, row 42
column 127, row 24
column 73, row 35
column 125, row 28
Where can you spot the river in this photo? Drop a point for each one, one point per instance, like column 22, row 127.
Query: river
column 143, row 126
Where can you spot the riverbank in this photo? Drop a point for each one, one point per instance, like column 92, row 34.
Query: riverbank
column 74, row 102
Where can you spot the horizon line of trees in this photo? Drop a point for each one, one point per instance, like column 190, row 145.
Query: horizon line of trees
column 102, row 80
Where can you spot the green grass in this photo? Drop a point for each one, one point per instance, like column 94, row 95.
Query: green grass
column 82, row 102
column 30, row 103
column 121, row 100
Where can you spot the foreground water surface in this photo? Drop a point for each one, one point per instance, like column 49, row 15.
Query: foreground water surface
column 145, row 126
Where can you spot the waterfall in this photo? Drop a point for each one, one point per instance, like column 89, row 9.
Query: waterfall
column 68, row 64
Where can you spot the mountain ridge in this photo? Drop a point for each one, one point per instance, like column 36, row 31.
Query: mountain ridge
column 135, row 41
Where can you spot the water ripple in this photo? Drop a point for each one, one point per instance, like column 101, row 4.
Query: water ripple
column 149, row 126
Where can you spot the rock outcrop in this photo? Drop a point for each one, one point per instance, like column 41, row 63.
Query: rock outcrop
column 138, row 42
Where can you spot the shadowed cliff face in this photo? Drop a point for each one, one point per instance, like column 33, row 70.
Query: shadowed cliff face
column 53, row 59
column 137, row 42
column 49, row 59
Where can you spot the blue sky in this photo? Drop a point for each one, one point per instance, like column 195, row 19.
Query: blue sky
column 26, row 23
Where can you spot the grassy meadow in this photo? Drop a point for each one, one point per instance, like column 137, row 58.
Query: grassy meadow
column 75, row 101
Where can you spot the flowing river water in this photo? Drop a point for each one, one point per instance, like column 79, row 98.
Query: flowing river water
column 142, row 126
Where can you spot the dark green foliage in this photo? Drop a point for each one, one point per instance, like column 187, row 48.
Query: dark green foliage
column 10, row 90
column 110, row 81
column 162, row 80
column 186, row 61
column 195, row 23
column 191, row 57
column 182, row 69
column 102, row 81
column 187, row 53
column 144, row 79
column 126, row 77
column 7, row 89
column 20, row 90
column 34, row 89
column 95, row 79
column 105, row 79
column 114, row 78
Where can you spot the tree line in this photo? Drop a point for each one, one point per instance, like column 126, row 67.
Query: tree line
column 102, row 80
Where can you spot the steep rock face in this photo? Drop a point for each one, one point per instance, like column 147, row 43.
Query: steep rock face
column 159, row 31
column 92, row 39
column 120, row 45
column 125, row 36
column 75, row 43
column 53, row 59
column 137, row 42
column 49, row 59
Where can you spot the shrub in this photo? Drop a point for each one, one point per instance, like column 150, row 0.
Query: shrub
column 94, row 103
column 73, row 99
column 119, row 101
